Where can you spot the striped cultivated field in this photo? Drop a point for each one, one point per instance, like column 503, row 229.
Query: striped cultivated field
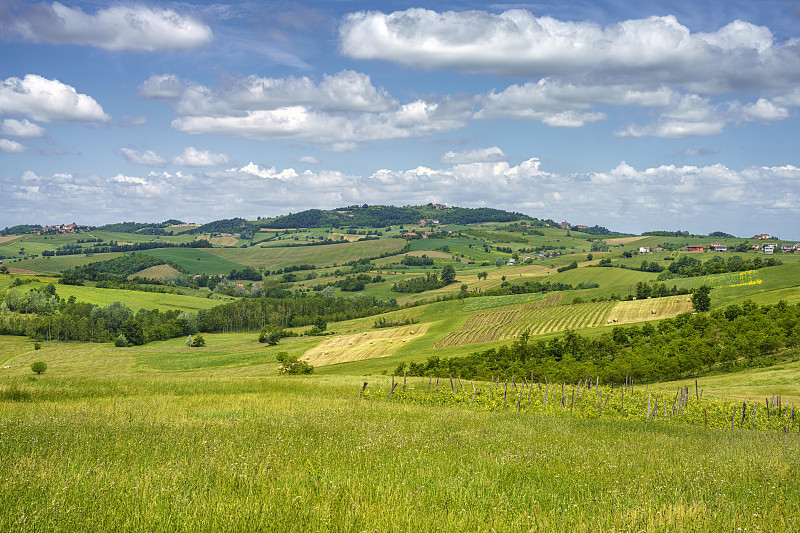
column 546, row 316
column 543, row 316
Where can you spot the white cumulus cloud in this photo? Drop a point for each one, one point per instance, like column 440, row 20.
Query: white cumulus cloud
column 46, row 100
column 8, row 146
column 192, row 157
column 120, row 27
column 655, row 50
column 21, row 128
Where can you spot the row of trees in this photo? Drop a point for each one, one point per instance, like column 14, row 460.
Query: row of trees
column 687, row 345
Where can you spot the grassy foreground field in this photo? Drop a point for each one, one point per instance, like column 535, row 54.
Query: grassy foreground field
column 283, row 454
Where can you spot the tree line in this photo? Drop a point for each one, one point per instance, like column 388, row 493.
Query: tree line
column 736, row 337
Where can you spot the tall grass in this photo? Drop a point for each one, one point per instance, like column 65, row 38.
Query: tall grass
column 280, row 454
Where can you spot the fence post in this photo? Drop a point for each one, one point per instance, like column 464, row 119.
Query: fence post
column 429, row 383
column 362, row 390
column 404, row 380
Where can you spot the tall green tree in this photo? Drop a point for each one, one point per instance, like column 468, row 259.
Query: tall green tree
column 701, row 298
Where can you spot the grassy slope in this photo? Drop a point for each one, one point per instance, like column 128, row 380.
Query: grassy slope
column 217, row 454
column 57, row 264
column 274, row 258
column 196, row 260
column 133, row 299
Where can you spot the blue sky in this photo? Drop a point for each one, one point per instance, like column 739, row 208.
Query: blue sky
column 634, row 115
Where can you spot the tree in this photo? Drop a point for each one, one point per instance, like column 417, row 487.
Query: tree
column 291, row 365
column 39, row 367
column 198, row 342
column 270, row 335
column 701, row 298
column 448, row 274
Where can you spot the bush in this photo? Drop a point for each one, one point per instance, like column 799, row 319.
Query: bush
column 39, row 367
column 198, row 342
column 121, row 341
column 37, row 346
column 291, row 365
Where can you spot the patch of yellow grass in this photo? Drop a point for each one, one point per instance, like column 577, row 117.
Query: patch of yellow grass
column 624, row 240
column 224, row 241
column 359, row 346
column 347, row 237
column 156, row 272
column 8, row 238
column 650, row 309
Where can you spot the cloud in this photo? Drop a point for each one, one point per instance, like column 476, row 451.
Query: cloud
column 120, row 27
column 163, row 87
column 764, row 111
column 344, row 91
column 625, row 198
column 309, row 160
column 148, row 157
column 11, row 147
column 24, row 128
column 268, row 173
column 46, row 100
column 482, row 155
column 193, row 157
column 342, row 108
column 653, row 51
column 691, row 115
column 415, row 119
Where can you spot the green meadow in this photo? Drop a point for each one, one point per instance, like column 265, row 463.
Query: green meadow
column 168, row 437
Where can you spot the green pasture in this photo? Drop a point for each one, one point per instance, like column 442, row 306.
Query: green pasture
column 196, row 260
column 219, row 453
column 327, row 254
column 134, row 299
column 60, row 263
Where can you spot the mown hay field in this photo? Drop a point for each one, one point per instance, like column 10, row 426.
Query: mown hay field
column 624, row 240
column 650, row 309
column 366, row 345
column 224, row 241
column 156, row 272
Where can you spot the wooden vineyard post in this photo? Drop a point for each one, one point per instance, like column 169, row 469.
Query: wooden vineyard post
column 513, row 381
column 362, row 390
column 695, row 390
column 505, row 396
column 705, row 415
column 753, row 416
column 519, row 399
column 491, row 382
column 744, row 412
column 452, row 385
column 597, row 385
column 404, row 381
column 562, row 394
column 544, row 403
column 474, row 390
column 530, row 390
column 437, row 385
column 392, row 384
column 572, row 400
column 766, row 400
column 733, row 418
column 648, row 405
column 622, row 401
column 460, row 384
column 429, row 383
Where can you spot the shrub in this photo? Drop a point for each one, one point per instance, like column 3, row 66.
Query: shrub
column 15, row 394
column 291, row 365
column 39, row 367
column 121, row 341
column 37, row 346
column 198, row 342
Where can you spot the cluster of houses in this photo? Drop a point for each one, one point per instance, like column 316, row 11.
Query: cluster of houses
column 767, row 248
column 61, row 229
column 431, row 221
